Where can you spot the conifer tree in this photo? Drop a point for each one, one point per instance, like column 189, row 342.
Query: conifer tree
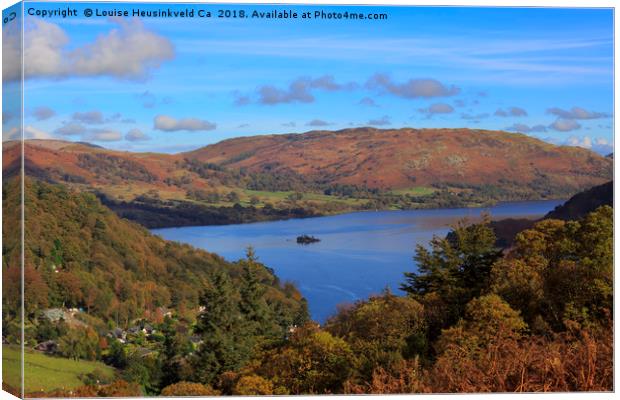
column 252, row 304
column 226, row 344
column 455, row 270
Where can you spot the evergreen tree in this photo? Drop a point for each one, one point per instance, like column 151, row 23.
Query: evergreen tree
column 455, row 270
column 252, row 304
column 176, row 347
column 116, row 355
column 226, row 344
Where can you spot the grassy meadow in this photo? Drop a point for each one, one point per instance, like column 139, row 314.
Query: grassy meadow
column 45, row 373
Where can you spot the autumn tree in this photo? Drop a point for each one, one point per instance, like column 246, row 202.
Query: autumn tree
column 560, row 271
column 488, row 322
column 35, row 289
column 80, row 343
column 383, row 331
column 188, row 389
column 312, row 362
column 253, row 385
column 452, row 272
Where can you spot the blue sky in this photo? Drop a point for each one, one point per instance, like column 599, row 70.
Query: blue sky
column 175, row 84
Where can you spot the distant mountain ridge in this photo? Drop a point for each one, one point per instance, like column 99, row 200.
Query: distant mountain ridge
column 374, row 158
column 401, row 158
column 271, row 177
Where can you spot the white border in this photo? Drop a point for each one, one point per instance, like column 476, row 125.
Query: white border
column 478, row 3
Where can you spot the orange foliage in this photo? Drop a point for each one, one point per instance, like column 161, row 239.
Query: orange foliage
column 402, row 378
column 571, row 362
column 253, row 385
column 188, row 389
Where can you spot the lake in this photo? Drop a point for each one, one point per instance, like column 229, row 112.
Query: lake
column 359, row 254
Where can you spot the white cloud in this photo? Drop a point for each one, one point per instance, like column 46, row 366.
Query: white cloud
column 602, row 142
column 603, row 146
column 88, row 117
column 437, row 108
column 241, row 100
column 88, row 134
column 385, row 120
column 577, row 113
column 585, row 141
column 367, row 101
column 413, row 88
column 474, row 117
column 11, row 52
column 136, row 135
column 147, row 99
column 128, row 51
column 597, row 144
column 511, row 112
column 517, row 112
column 170, row 124
column 71, row 129
column 103, row 135
column 13, row 133
column 565, row 125
column 30, row 132
column 523, row 128
column 318, row 123
column 43, row 113
column 298, row 91
column 43, row 44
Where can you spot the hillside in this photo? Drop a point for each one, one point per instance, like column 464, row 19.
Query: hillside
column 584, row 202
column 403, row 158
column 159, row 190
column 78, row 253
column 575, row 208
column 316, row 173
column 136, row 302
column 45, row 373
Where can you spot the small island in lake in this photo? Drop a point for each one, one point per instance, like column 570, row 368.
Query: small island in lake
column 305, row 239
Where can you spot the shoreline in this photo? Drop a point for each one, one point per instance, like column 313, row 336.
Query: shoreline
column 363, row 211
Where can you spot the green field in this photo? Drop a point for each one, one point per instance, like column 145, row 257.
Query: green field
column 416, row 191
column 45, row 373
column 278, row 196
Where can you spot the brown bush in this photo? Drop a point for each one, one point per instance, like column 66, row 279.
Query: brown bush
column 188, row 389
column 570, row 362
column 252, row 385
column 403, row 378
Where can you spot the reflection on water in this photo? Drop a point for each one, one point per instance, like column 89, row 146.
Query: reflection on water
column 359, row 253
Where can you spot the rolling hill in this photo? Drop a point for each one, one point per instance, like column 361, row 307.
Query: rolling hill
column 403, row 158
column 316, row 173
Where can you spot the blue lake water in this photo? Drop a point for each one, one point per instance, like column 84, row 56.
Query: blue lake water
column 359, row 253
